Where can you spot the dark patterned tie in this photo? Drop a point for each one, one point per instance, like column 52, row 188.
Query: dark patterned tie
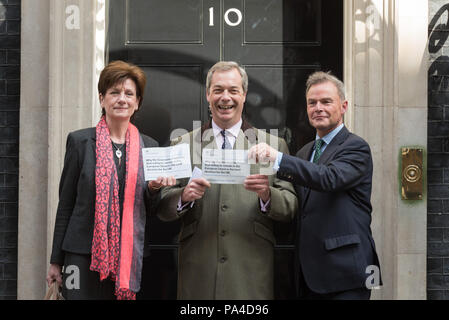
column 318, row 145
column 226, row 144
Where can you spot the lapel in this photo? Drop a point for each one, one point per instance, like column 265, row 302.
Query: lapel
column 241, row 142
column 306, row 151
column 332, row 147
column 93, row 141
column 305, row 154
column 326, row 156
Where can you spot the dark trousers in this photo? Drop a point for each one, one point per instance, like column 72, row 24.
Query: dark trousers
column 80, row 283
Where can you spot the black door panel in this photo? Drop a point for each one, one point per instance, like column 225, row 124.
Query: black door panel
column 279, row 42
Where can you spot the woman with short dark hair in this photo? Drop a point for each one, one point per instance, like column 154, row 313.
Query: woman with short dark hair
column 99, row 233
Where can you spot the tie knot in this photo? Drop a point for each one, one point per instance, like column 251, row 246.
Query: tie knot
column 318, row 144
column 223, row 133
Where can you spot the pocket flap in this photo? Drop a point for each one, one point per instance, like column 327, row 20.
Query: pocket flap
column 264, row 232
column 337, row 242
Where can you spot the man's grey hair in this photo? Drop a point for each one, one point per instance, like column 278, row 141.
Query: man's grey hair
column 320, row 77
column 222, row 66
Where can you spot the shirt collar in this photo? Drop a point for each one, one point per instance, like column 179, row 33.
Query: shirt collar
column 234, row 130
column 331, row 135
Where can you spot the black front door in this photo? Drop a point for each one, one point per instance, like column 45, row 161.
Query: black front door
column 279, row 42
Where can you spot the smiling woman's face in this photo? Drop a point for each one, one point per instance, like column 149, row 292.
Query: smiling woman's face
column 120, row 101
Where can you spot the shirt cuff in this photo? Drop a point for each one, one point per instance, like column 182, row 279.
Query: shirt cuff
column 277, row 162
column 264, row 206
column 181, row 206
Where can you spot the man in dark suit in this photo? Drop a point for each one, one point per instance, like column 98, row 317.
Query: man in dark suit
column 336, row 255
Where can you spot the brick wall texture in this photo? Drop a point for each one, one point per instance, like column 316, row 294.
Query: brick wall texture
column 9, row 144
column 438, row 153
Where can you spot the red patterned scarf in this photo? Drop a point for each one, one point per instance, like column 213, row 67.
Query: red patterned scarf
column 117, row 249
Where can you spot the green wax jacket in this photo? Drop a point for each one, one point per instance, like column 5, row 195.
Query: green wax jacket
column 226, row 244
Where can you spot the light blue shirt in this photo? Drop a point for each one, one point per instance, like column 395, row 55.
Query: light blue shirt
column 327, row 139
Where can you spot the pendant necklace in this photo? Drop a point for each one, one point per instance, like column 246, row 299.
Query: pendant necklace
column 118, row 151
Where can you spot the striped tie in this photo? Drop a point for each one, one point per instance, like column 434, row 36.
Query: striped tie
column 226, row 144
column 318, row 145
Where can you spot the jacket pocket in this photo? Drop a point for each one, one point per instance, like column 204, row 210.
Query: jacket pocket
column 341, row 241
column 264, row 232
column 188, row 230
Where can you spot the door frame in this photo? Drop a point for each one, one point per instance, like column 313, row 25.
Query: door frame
column 379, row 76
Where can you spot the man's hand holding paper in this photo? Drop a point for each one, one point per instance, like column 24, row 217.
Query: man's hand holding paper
column 259, row 184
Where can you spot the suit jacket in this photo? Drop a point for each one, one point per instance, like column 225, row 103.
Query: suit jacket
column 75, row 215
column 335, row 243
column 226, row 242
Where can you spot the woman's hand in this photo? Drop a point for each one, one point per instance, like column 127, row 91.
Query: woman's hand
column 155, row 185
column 54, row 274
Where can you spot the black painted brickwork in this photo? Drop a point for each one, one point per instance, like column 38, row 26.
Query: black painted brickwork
column 9, row 144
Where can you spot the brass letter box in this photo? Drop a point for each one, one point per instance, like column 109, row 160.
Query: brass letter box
column 412, row 174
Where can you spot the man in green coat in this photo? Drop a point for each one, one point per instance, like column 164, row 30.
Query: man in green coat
column 226, row 245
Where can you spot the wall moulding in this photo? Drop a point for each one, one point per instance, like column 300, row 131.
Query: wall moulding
column 376, row 61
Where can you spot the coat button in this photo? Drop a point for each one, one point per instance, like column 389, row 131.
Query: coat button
column 224, row 207
column 223, row 233
column 223, row 259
